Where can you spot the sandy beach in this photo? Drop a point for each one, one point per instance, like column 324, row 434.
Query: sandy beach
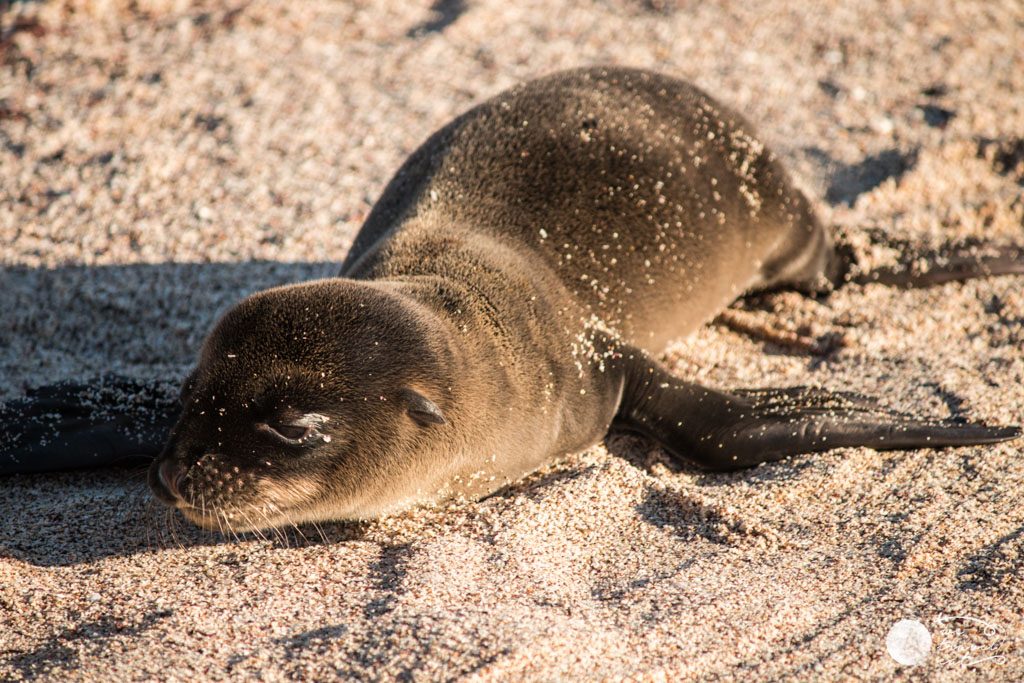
column 160, row 159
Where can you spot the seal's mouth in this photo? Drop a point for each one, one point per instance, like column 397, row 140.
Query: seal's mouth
column 230, row 520
column 167, row 487
column 220, row 497
column 167, row 482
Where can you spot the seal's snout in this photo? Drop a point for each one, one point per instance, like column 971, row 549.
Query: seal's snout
column 166, row 479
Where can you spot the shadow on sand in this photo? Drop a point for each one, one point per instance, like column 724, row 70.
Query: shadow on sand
column 74, row 322
column 144, row 320
column 75, row 518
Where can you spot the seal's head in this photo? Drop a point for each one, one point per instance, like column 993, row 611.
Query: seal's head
column 312, row 401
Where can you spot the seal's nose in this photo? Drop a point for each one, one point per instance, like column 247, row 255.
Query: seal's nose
column 166, row 479
column 172, row 477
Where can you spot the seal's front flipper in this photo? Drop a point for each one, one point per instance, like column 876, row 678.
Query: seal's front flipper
column 732, row 430
column 76, row 425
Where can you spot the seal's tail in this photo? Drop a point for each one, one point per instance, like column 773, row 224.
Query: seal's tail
column 74, row 425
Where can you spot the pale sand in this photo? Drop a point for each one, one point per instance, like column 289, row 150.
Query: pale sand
column 156, row 166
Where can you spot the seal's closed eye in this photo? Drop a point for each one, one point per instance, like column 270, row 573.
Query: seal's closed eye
column 294, row 431
column 289, row 433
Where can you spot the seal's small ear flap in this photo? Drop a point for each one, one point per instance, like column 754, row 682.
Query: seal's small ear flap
column 422, row 409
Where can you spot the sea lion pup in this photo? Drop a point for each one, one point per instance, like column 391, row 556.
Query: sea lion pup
column 500, row 308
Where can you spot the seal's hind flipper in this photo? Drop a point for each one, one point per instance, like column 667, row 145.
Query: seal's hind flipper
column 966, row 260
column 727, row 431
column 74, row 425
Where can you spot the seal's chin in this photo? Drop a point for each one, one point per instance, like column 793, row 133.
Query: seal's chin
column 235, row 519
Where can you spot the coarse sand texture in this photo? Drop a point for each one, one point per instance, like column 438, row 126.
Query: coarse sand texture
column 160, row 159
